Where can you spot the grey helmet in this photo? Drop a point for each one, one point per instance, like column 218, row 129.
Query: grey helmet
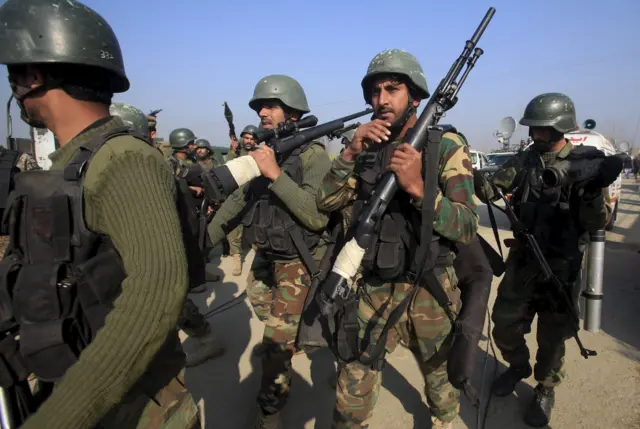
column 280, row 87
column 180, row 138
column 131, row 116
column 249, row 129
column 395, row 61
column 202, row 143
column 60, row 32
column 553, row 110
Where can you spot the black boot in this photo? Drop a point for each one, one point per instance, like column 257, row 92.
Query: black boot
column 506, row 383
column 267, row 421
column 539, row 412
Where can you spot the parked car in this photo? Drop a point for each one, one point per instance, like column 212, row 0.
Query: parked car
column 495, row 162
column 478, row 159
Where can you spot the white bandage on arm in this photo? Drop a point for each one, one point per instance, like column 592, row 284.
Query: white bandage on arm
column 243, row 169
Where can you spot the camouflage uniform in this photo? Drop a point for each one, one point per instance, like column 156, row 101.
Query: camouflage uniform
column 424, row 326
column 25, row 163
column 277, row 288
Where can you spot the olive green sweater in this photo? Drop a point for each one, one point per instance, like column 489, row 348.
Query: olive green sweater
column 129, row 196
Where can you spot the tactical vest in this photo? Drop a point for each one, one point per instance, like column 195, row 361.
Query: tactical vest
column 549, row 213
column 268, row 223
column 59, row 279
column 391, row 255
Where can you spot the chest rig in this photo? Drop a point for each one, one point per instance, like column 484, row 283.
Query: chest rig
column 268, row 223
column 396, row 239
column 549, row 213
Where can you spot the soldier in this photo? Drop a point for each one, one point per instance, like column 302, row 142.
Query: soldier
column 560, row 219
column 182, row 145
column 394, row 86
column 204, row 154
column 163, row 146
column 282, row 222
column 64, row 64
column 235, row 236
column 11, row 162
column 191, row 321
column 133, row 117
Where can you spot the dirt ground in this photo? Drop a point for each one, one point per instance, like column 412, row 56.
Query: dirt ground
column 600, row 392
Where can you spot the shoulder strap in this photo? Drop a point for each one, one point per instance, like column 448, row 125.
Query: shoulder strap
column 78, row 166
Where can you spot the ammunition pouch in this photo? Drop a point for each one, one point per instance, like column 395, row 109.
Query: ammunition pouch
column 270, row 226
column 272, row 230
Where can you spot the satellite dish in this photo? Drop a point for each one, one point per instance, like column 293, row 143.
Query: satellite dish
column 589, row 124
column 507, row 127
column 623, row 146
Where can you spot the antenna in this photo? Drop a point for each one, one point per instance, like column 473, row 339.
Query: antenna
column 505, row 130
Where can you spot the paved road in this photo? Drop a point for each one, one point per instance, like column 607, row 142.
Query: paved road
column 601, row 392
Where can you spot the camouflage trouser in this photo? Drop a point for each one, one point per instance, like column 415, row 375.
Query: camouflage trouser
column 277, row 293
column 235, row 241
column 192, row 322
column 171, row 408
column 520, row 296
column 423, row 327
column 4, row 243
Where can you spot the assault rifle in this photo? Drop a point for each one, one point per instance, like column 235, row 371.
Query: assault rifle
column 285, row 129
column 222, row 181
column 339, row 133
column 425, row 131
column 155, row 112
column 559, row 289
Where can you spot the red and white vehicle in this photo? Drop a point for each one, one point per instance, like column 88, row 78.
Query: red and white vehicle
column 597, row 140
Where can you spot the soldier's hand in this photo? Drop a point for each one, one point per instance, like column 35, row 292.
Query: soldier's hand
column 234, row 145
column 406, row 163
column 266, row 160
column 375, row 131
column 198, row 190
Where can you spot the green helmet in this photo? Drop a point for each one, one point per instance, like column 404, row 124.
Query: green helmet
column 249, row 129
column 202, row 143
column 395, row 61
column 131, row 116
column 280, row 87
column 60, row 32
column 551, row 110
column 349, row 134
column 181, row 138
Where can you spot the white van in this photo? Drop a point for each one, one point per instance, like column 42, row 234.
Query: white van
column 478, row 159
column 597, row 140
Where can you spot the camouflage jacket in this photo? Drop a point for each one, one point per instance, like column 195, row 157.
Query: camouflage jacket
column 27, row 163
column 455, row 209
column 177, row 163
column 592, row 213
